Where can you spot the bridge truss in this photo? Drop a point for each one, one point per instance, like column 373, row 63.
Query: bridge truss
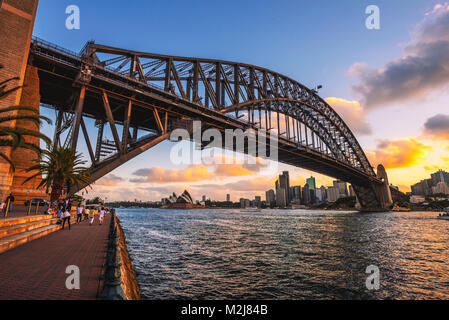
column 153, row 93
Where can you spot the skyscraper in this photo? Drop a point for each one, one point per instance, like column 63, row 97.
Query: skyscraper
column 342, row 188
column 440, row 176
column 281, row 197
column 311, row 182
column 270, row 198
column 228, row 197
column 284, row 183
column 306, row 199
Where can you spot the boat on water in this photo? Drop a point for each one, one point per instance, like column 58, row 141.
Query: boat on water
column 444, row 215
column 400, row 209
column 250, row 210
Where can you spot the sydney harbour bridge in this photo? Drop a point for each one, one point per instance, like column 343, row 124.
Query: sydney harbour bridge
column 143, row 97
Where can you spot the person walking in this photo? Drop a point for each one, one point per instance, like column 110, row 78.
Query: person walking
column 91, row 216
column 101, row 215
column 79, row 214
column 66, row 217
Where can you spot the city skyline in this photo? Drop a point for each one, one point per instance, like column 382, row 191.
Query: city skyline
column 411, row 142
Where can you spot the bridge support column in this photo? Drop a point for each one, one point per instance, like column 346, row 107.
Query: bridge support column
column 375, row 196
column 16, row 25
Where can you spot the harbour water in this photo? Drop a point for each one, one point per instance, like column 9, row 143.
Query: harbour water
column 286, row 254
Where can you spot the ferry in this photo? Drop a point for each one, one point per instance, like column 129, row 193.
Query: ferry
column 401, row 209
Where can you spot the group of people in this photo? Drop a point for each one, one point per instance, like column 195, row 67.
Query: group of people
column 62, row 209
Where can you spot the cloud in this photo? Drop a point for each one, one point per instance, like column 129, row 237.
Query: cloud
column 160, row 175
column 401, row 153
column 109, row 180
column 352, row 113
column 424, row 66
column 437, row 127
column 195, row 173
column 259, row 184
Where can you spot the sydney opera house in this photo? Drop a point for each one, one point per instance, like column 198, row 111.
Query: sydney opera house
column 184, row 201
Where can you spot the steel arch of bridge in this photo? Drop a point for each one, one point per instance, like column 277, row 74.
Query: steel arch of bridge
column 222, row 94
column 228, row 86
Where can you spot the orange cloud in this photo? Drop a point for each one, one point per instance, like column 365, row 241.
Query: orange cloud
column 109, row 180
column 352, row 113
column 160, row 175
column 196, row 173
column 400, row 153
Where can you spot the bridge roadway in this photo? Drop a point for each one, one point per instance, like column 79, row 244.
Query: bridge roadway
column 99, row 93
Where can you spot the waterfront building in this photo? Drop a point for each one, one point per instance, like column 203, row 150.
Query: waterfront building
column 440, row 188
column 440, row 176
column 342, row 188
column 306, row 199
column 228, row 197
column 333, row 194
column 323, row 193
column 318, row 195
column 311, row 182
column 296, row 194
column 257, row 201
column 417, row 199
column 270, row 197
column 281, row 197
column 284, row 183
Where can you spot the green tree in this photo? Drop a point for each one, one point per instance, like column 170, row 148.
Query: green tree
column 60, row 167
column 14, row 137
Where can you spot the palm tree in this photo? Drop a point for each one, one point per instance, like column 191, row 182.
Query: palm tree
column 60, row 167
column 14, row 137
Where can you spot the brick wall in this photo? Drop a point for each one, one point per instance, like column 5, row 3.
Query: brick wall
column 16, row 27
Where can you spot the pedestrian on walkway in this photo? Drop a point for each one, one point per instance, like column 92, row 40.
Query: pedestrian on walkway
column 91, row 216
column 69, row 204
column 101, row 216
column 79, row 213
column 66, row 217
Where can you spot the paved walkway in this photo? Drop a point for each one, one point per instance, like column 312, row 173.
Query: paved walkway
column 36, row 270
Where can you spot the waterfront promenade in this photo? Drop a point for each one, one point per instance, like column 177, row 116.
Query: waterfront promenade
column 36, row 270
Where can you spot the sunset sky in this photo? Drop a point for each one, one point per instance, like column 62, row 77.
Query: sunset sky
column 389, row 85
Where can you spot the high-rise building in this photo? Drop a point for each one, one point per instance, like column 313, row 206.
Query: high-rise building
column 342, row 188
column 228, row 197
column 204, row 198
column 440, row 176
column 284, row 183
column 333, row 194
column 281, row 197
column 306, row 199
column 323, row 193
column 257, row 201
column 311, row 182
column 441, row 188
column 270, row 197
column 423, row 188
column 319, row 195
column 296, row 194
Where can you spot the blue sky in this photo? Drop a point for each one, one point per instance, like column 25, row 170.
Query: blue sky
column 314, row 42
